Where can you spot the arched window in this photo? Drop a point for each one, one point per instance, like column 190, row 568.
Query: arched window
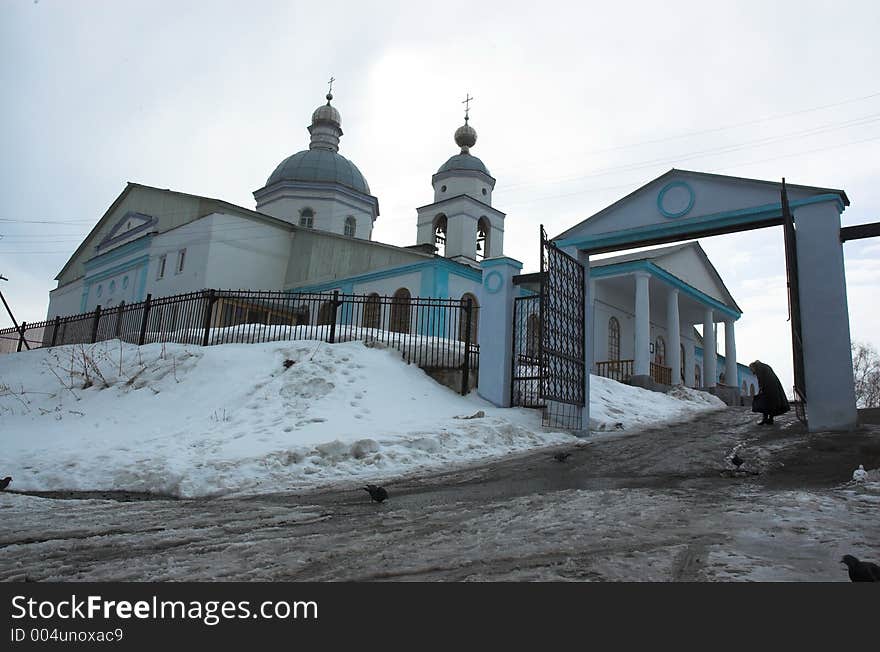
column 533, row 335
column 681, row 346
column 400, row 311
column 350, row 226
column 698, row 376
column 326, row 313
column 483, row 230
column 613, row 339
column 744, row 388
column 462, row 317
column 660, row 350
column 751, row 389
column 721, row 378
column 371, row 311
column 439, row 230
column 307, row 218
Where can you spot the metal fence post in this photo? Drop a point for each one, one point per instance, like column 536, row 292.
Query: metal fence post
column 95, row 321
column 209, row 311
column 144, row 320
column 55, row 329
column 333, row 320
column 21, row 335
column 466, row 367
column 119, row 317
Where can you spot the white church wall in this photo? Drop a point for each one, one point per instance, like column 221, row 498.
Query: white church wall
column 330, row 210
column 246, row 254
column 65, row 300
column 476, row 186
column 193, row 238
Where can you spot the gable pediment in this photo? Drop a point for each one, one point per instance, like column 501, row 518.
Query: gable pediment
column 129, row 226
column 685, row 202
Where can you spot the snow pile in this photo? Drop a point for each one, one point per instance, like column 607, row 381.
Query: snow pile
column 614, row 406
column 190, row 421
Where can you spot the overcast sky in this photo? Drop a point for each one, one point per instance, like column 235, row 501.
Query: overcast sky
column 577, row 104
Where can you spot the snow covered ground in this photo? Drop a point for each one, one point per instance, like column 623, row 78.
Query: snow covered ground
column 253, row 418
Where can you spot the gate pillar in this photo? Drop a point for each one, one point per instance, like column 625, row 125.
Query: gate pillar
column 831, row 402
column 495, row 335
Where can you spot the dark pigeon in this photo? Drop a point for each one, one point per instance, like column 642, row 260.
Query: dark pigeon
column 5, row 483
column 288, row 363
column 561, row 457
column 736, row 460
column 861, row 571
column 376, row 493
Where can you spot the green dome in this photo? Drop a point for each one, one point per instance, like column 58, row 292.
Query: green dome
column 464, row 162
column 321, row 166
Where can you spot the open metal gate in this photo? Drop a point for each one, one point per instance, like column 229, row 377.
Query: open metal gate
column 549, row 361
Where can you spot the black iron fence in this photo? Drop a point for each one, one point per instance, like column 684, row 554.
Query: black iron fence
column 435, row 334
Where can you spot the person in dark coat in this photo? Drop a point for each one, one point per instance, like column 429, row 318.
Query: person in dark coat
column 770, row 399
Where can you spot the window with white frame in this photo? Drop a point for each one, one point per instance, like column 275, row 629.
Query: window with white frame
column 350, row 226
column 181, row 258
column 307, row 218
column 160, row 270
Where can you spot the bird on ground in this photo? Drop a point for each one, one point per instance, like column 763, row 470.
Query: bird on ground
column 561, row 457
column 736, row 460
column 5, row 483
column 376, row 493
column 861, row 571
column 860, row 474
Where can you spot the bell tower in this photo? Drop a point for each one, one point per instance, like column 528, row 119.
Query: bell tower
column 461, row 221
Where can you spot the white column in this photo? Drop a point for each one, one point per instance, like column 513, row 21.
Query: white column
column 731, row 377
column 828, row 369
column 690, row 378
column 710, row 359
column 673, row 351
column 642, row 353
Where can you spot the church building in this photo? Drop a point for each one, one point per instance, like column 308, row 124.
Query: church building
column 311, row 231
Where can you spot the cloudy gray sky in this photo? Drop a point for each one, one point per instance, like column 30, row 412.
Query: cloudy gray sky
column 576, row 105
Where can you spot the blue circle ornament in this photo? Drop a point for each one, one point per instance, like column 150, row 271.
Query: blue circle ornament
column 493, row 282
column 676, row 199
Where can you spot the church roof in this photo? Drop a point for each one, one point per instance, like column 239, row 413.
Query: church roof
column 464, row 162
column 320, row 166
column 657, row 253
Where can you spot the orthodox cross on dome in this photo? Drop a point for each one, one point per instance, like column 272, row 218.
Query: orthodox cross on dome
column 467, row 103
column 330, row 90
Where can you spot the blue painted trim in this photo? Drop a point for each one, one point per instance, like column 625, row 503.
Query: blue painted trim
column 142, row 262
column 119, row 252
column 501, row 260
column 441, row 282
column 437, row 263
column 670, row 186
column 142, row 286
column 493, row 282
column 662, row 274
column 741, row 217
column 428, row 282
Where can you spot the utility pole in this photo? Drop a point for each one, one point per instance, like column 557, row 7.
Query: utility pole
column 11, row 316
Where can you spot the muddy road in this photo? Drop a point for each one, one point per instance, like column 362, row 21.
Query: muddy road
column 660, row 505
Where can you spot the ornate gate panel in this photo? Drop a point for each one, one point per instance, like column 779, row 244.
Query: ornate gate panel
column 549, row 365
column 562, row 336
column 528, row 374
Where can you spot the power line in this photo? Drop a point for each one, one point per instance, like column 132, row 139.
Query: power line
column 710, row 130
